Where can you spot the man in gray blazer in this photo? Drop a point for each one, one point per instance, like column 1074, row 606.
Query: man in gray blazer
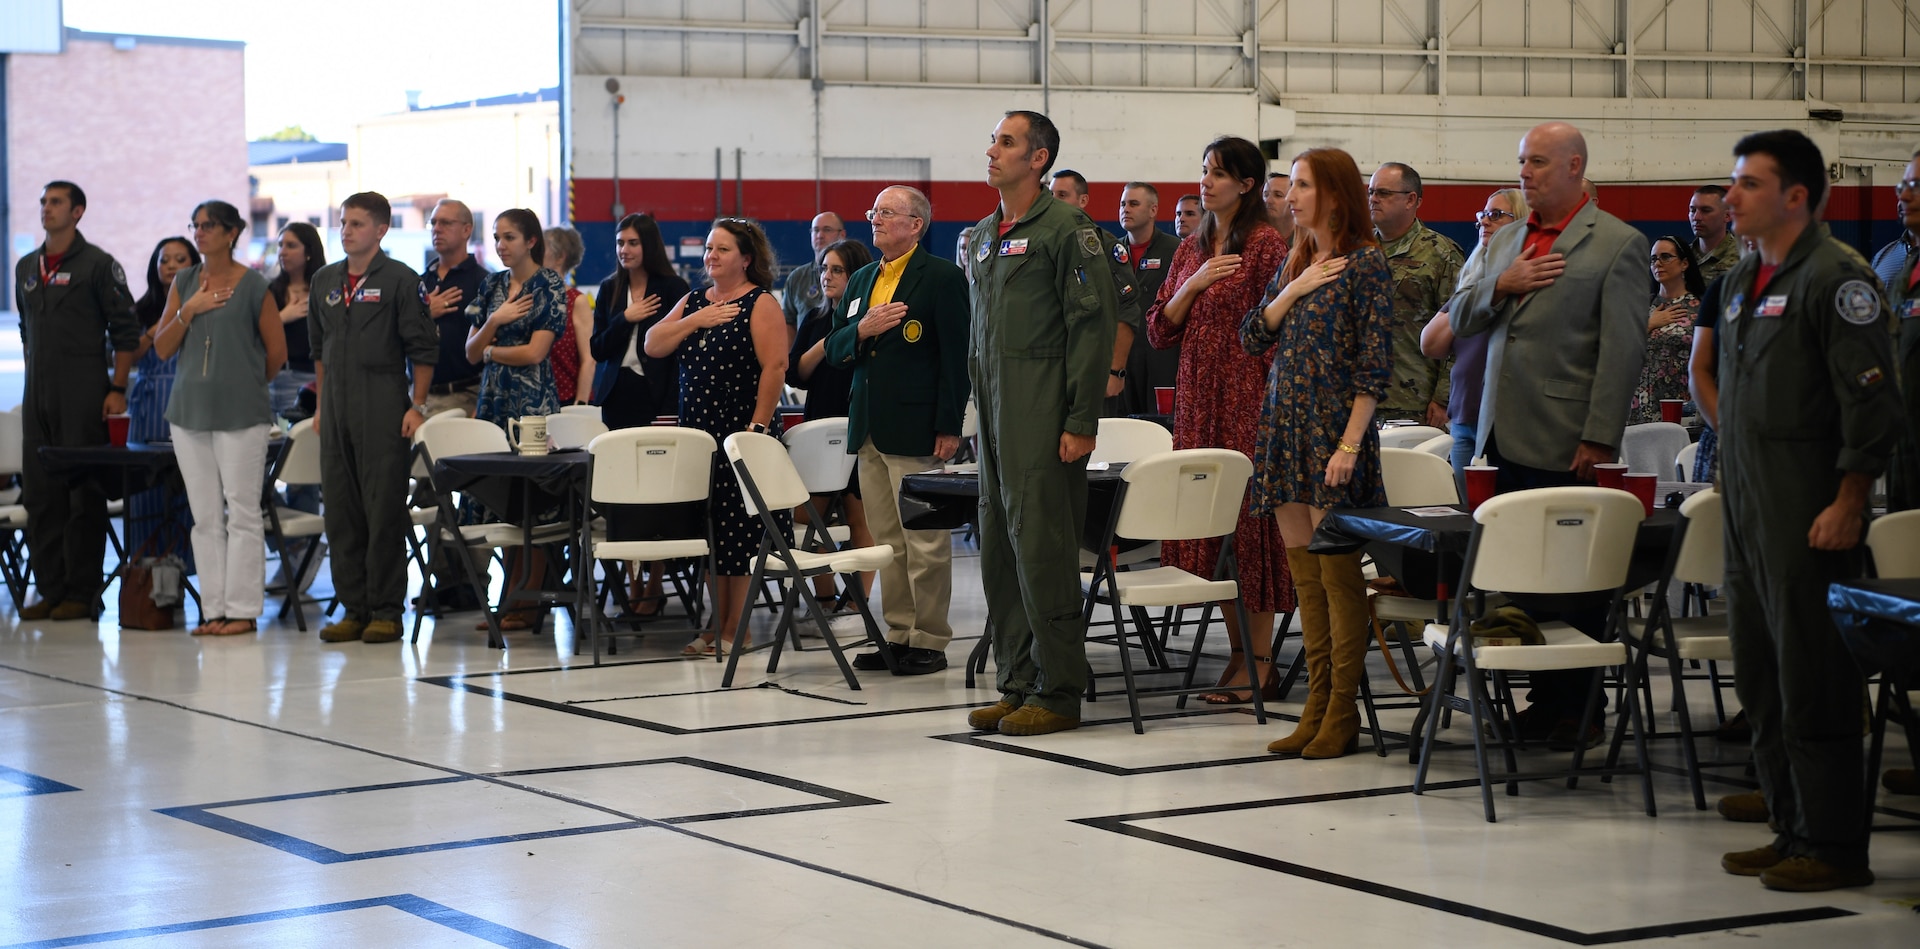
column 1568, row 314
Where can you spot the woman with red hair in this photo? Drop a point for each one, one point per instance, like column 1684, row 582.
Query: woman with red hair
column 1328, row 317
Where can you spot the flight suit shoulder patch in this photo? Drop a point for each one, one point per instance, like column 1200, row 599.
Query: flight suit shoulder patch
column 1857, row 302
column 1120, row 254
column 119, row 274
column 1870, row 378
column 1089, row 242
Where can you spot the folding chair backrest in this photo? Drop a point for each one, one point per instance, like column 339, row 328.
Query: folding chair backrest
column 772, row 471
column 1652, row 447
column 446, row 436
column 970, row 421
column 658, row 464
column 1895, row 542
column 1184, row 495
column 13, row 441
column 1703, row 552
column 1556, row 540
column 1683, row 462
column 589, row 411
column 302, row 464
column 819, row 452
column 1417, row 479
column 1439, row 446
column 1123, row 440
column 1408, row 436
column 574, row 430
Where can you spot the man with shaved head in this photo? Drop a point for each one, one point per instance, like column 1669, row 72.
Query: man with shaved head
column 1568, row 318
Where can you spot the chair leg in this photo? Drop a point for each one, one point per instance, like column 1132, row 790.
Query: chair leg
column 1126, row 661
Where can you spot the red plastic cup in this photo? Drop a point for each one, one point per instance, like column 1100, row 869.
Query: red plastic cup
column 117, row 428
column 1670, row 410
column 1163, row 399
column 1609, row 475
column 666, row 420
column 790, row 419
column 1643, row 486
column 1481, row 484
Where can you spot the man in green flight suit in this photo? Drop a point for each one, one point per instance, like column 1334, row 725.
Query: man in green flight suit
column 369, row 320
column 1809, row 414
column 74, row 306
column 1042, row 341
column 1426, row 266
column 1903, row 296
column 1071, row 187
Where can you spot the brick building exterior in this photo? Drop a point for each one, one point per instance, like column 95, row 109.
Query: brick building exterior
column 149, row 125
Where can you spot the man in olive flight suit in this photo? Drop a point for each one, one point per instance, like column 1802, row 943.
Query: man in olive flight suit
column 1902, row 288
column 1071, row 187
column 73, row 303
column 1426, row 267
column 1043, row 332
column 1809, row 413
column 369, row 320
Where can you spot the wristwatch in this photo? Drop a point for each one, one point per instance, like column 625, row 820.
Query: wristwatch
column 114, row 388
column 757, row 428
column 1117, row 373
column 422, row 409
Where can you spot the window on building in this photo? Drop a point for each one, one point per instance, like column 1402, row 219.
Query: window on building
column 313, row 219
column 399, row 222
column 280, row 223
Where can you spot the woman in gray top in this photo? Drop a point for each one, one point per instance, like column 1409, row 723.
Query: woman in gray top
column 225, row 326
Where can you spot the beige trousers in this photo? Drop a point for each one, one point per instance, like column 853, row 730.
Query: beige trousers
column 917, row 586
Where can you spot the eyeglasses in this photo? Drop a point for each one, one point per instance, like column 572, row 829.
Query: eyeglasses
column 1382, row 193
column 1662, row 258
column 887, row 214
column 1490, row 216
column 204, row 226
column 1911, row 184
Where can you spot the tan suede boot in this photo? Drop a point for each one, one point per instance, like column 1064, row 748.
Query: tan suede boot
column 1311, row 611
column 1347, row 620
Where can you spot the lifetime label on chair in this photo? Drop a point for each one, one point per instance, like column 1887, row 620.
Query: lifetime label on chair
column 1570, row 521
column 656, row 451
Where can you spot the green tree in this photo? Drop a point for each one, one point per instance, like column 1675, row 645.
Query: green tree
column 292, row 133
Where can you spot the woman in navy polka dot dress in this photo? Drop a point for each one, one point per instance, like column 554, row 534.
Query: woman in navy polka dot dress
column 731, row 340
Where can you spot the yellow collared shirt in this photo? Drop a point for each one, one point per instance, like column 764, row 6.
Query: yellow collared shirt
column 889, row 279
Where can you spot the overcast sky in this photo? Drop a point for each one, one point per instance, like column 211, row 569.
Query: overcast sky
column 326, row 64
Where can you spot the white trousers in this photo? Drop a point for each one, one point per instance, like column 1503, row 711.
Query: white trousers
column 224, row 472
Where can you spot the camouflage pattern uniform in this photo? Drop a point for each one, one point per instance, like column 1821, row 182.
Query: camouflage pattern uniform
column 1426, row 266
column 1720, row 260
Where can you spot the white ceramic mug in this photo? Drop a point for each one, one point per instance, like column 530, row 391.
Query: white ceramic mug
column 528, row 434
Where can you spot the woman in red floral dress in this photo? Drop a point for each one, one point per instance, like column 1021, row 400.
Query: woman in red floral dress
column 1219, row 273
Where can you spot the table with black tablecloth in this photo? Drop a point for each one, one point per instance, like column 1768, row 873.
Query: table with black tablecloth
column 1879, row 620
column 519, row 489
column 122, row 471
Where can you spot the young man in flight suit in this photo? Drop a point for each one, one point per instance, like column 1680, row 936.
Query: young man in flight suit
column 369, row 320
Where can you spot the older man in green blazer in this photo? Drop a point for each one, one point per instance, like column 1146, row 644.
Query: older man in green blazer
column 902, row 328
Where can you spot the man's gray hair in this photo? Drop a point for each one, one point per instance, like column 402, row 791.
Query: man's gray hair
column 917, row 203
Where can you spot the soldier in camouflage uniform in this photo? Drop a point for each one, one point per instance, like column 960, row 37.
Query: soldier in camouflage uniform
column 1426, row 266
column 1713, row 245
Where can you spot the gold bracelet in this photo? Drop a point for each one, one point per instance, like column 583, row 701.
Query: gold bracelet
column 1349, row 449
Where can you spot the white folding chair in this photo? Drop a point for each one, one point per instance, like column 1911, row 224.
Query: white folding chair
column 1194, row 494
column 651, row 465
column 1413, row 477
column 1408, row 436
column 1121, row 440
column 298, row 467
column 770, row 484
column 1440, row 446
column 574, row 430
column 584, row 411
column 1653, row 447
column 819, row 452
column 13, row 516
column 1697, row 559
column 1894, row 540
column 1683, row 462
column 1557, row 541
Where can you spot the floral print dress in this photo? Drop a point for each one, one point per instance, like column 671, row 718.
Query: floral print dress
column 1217, row 396
column 513, row 391
column 1664, row 374
column 1335, row 345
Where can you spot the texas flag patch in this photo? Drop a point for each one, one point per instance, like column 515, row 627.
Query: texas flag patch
column 1772, row 306
column 369, row 295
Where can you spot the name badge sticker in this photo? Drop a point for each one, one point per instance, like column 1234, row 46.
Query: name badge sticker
column 853, row 309
column 60, row 279
column 1013, row 248
column 1771, row 306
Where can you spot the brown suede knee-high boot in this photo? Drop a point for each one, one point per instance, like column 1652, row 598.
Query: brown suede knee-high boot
column 1311, row 610
column 1347, row 619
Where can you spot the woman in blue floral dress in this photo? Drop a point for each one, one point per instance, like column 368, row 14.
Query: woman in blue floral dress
column 1328, row 316
column 521, row 311
column 147, row 404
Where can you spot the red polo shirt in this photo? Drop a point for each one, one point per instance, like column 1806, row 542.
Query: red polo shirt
column 1540, row 237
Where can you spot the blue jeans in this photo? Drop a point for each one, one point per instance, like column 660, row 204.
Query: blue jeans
column 1464, row 437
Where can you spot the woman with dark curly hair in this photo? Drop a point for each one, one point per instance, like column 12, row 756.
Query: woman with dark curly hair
column 1328, row 317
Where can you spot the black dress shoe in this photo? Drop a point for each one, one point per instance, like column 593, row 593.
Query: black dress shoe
column 919, row 662
column 874, row 662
